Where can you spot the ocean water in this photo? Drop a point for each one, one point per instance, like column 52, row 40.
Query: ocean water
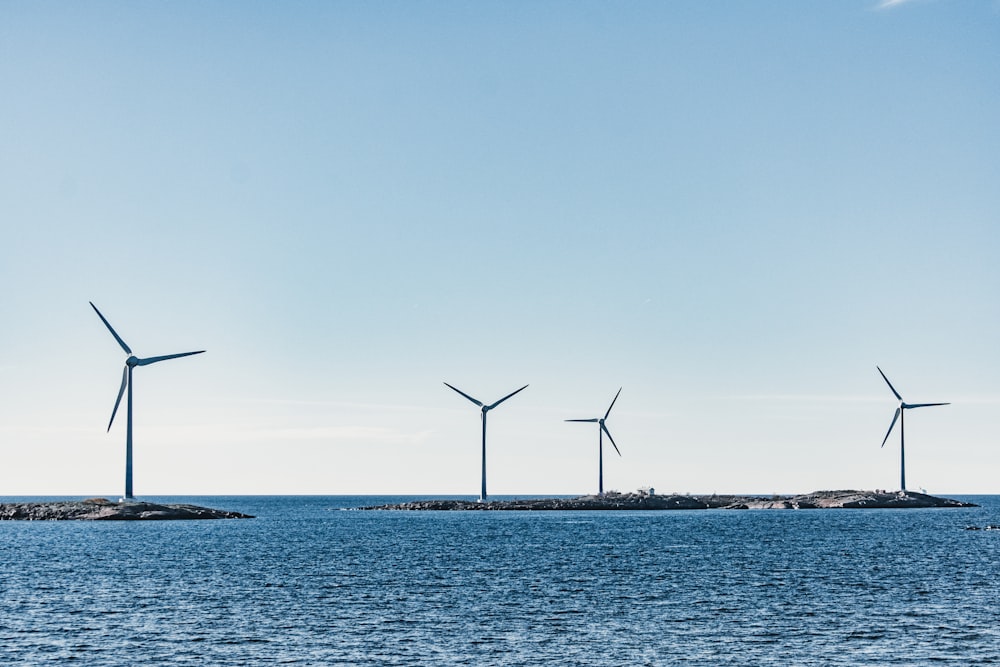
column 307, row 583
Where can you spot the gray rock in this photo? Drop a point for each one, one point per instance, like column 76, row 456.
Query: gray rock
column 102, row 509
column 645, row 501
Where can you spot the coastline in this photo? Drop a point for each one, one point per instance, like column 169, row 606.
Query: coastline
column 843, row 499
column 102, row 509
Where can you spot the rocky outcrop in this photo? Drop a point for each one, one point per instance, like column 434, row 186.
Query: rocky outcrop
column 643, row 501
column 102, row 509
column 610, row 501
column 834, row 500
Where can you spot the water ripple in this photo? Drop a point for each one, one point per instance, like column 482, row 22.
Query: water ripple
column 305, row 586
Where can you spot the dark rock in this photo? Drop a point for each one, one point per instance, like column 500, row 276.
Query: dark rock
column 609, row 501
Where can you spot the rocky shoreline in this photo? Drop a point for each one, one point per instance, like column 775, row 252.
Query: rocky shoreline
column 102, row 509
column 646, row 501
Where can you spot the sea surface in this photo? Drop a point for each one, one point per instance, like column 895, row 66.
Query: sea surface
column 310, row 583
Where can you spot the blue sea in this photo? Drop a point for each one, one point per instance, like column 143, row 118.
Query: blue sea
column 309, row 583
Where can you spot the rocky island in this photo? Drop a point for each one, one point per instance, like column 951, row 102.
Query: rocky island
column 643, row 500
column 102, row 509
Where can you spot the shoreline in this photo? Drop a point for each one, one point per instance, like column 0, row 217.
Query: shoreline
column 102, row 509
column 844, row 499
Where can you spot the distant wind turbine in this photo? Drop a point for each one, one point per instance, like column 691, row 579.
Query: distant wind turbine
column 903, row 406
column 601, row 430
column 485, row 409
column 131, row 363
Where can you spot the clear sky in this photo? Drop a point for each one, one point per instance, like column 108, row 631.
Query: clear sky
column 732, row 210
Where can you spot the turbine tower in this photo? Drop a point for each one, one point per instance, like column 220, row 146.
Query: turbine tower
column 601, row 430
column 131, row 362
column 485, row 409
column 903, row 406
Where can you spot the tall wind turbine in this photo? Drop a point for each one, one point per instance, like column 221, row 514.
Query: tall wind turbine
column 903, row 406
column 601, row 430
column 485, row 409
column 131, row 362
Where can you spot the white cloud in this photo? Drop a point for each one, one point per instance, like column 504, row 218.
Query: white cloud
column 889, row 4
column 811, row 398
column 320, row 403
column 45, row 430
column 351, row 434
column 246, row 433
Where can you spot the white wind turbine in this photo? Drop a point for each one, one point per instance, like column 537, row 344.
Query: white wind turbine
column 484, row 409
column 903, row 406
column 131, row 362
column 601, row 430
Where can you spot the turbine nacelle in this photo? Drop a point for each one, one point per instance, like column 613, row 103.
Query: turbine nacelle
column 132, row 361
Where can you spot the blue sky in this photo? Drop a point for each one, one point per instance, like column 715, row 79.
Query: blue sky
column 732, row 210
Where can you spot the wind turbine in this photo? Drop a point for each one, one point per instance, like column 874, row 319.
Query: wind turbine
column 131, row 362
column 485, row 409
column 601, row 430
column 903, row 405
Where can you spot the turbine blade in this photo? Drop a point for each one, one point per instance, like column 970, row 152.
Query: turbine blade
column 464, row 394
column 896, row 393
column 506, row 397
column 924, row 405
column 894, row 418
column 608, row 433
column 589, row 421
column 612, row 403
column 119, row 399
column 118, row 338
column 153, row 360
